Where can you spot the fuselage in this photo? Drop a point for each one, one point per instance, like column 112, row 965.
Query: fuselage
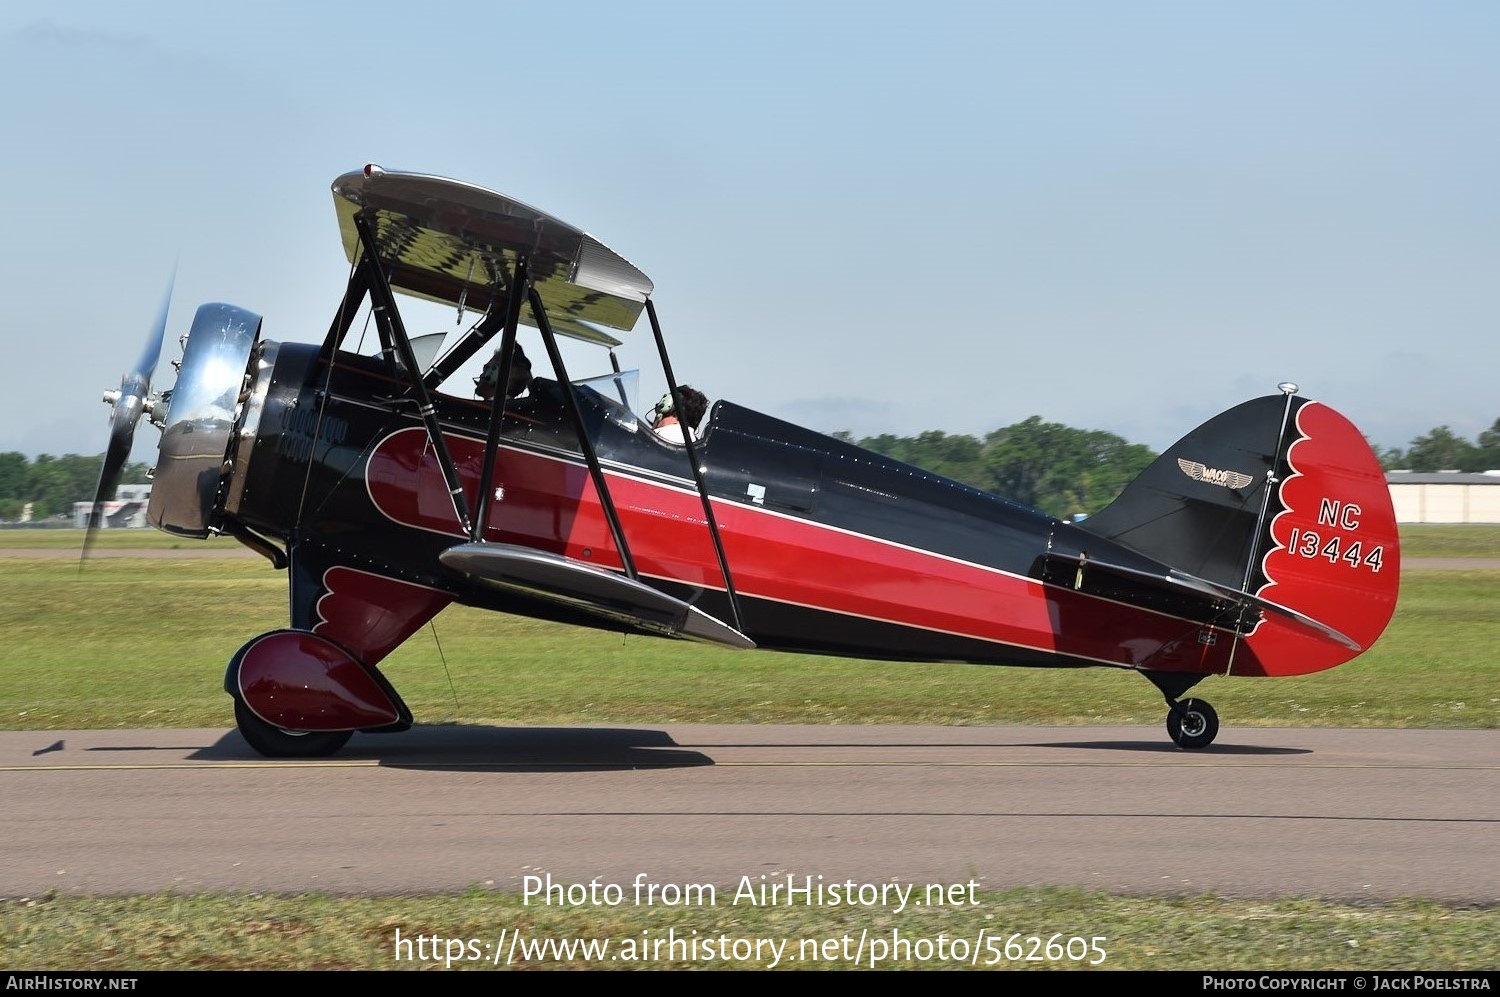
column 831, row 548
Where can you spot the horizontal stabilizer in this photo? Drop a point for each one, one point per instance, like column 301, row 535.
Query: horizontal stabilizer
column 591, row 589
column 1265, row 605
column 1181, row 580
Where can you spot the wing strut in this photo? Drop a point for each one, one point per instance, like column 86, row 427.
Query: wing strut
column 539, row 312
column 388, row 318
column 343, row 319
column 472, row 341
column 687, row 439
column 520, row 286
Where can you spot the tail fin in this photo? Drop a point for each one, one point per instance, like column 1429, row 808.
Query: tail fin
column 1281, row 499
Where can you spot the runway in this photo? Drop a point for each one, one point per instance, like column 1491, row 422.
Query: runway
column 1338, row 814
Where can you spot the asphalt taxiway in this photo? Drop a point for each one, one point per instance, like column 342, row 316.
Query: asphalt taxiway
column 1264, row 812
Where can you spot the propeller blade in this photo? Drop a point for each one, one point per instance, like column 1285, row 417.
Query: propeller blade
column 146, row 365
column 120, row 438
column 127, row 405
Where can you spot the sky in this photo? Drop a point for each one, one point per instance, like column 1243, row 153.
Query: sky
column 873, row 217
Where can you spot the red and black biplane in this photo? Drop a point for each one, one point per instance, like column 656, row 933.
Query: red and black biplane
column 1262, row 544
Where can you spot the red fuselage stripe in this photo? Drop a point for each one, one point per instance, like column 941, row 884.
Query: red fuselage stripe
column 548, row 503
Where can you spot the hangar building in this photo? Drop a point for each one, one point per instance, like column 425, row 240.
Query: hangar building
column 1445, row 497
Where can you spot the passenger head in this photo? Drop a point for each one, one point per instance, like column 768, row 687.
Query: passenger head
column 520, row 375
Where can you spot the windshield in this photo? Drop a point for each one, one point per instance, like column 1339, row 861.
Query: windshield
column 618, row 393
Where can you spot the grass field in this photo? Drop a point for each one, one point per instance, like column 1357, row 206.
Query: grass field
column 177, row 623
column 316, row 932
column 142, row 642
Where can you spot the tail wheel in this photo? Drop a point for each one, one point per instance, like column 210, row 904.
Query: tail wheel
column 273, row 742
column 1192, row 723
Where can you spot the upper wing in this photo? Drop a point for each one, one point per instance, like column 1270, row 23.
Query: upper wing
column 450, row 241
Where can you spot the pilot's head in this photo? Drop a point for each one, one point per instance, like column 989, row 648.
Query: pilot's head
column 661, row 410
column 520, row 376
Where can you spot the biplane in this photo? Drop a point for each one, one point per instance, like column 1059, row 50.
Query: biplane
column 1261, row 544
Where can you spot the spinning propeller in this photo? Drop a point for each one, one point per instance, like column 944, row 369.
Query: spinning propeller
column 127, row 404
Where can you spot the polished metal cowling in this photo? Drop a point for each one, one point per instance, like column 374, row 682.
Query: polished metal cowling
column 194, row 457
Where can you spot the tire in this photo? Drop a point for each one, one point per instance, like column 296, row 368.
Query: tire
column 273, row 742
column 1192, row 723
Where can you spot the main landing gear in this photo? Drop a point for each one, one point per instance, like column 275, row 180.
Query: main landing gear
column 1192, row 723
column 300, row 695
column 273, row 742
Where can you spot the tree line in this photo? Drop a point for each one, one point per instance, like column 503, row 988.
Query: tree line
column 1444, row 450
column 1064, row 471
column 52, row 484
column 1055, row 468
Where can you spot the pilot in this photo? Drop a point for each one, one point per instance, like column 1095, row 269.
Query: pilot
column 665, row 419
column 520, row 376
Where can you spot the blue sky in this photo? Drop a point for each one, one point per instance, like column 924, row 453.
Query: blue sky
column 867, row 216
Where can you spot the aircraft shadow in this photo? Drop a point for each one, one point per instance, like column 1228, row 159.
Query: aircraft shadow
column 1166, row 747
column 1159, row 746
column 527, row 749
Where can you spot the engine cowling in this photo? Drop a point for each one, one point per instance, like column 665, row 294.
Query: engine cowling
column 195, row 455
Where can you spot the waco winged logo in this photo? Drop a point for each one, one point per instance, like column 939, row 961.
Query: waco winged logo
column 1213, row 476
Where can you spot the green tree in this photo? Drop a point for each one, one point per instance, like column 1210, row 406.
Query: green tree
column 1055, row 468
column 1060, row 470
column 1442, row 450
column 15, row 472
column 1390, row 458
column 1488, row 457
column 55, row 483
column 955, row 456
column 52, row 484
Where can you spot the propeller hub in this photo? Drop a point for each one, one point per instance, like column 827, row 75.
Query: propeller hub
column 127, row 403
